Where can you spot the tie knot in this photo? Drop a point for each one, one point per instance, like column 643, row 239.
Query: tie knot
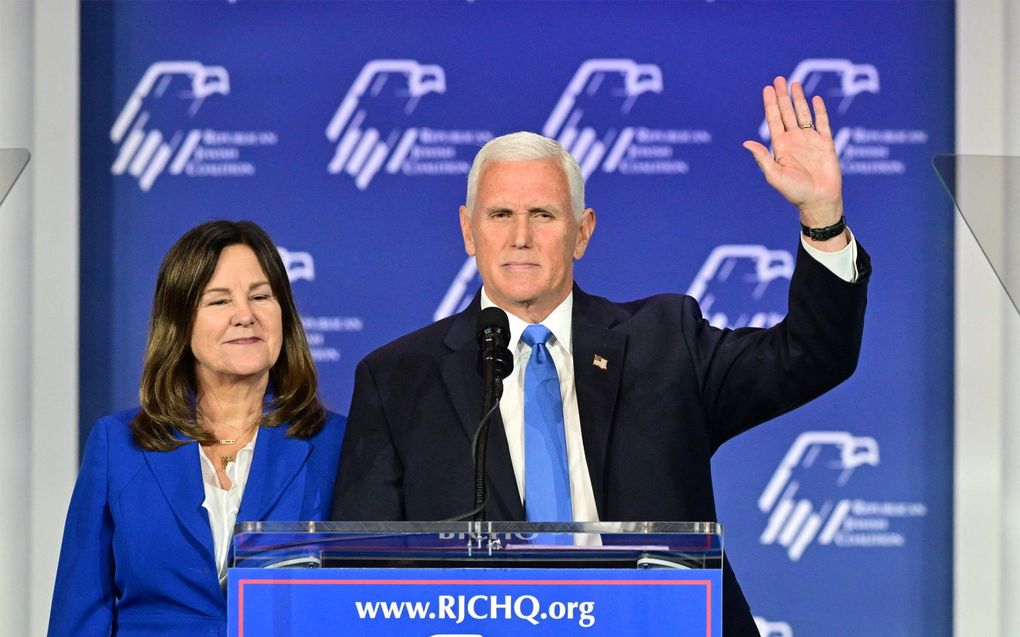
column 536, row 334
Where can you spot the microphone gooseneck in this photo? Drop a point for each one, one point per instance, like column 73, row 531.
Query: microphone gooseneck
column 494, row 364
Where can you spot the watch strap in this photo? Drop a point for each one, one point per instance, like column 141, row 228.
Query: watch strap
column 826, row 233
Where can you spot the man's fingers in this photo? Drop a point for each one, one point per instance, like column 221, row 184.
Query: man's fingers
column 785, row 104
column 821, row 115
column 761, row 155
column 772, row 116
column 800, row 106
column 757, row 148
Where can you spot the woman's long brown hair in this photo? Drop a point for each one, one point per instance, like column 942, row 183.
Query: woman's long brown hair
column 167, row 417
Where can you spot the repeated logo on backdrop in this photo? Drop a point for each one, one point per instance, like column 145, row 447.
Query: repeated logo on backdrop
column 157, row 130
column 460, row 292
column 862, row 150
column 374, row 127
column 592, row 121
column 809, row 499
column 299, row 265
column 319, row 330
column 743, row 286
column 838, row 81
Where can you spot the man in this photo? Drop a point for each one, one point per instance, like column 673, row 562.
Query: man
column 648, row 390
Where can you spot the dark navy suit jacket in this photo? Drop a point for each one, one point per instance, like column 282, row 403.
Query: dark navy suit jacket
column 137, row 555
column 673, row 390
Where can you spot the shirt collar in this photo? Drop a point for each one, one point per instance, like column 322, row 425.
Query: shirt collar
column 558, row 322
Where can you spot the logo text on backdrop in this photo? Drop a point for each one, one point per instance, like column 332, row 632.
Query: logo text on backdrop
column 807, row 500
column 372, row 128
column 156, row 130
column 300, row 266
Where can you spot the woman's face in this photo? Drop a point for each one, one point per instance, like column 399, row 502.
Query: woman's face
column 238, row 329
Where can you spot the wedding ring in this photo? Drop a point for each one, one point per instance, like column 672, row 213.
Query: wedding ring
column 808, row 125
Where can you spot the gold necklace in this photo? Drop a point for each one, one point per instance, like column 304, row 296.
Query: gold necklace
column 226, row 459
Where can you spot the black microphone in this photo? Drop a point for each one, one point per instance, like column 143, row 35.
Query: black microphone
column 494, row 359
column 494, row 364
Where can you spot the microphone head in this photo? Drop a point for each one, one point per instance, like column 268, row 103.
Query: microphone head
column 493, row 330
column 492, row 322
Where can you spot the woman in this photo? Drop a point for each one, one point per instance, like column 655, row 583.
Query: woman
column 229, row 407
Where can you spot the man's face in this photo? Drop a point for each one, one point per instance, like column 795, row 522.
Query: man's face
column 524, row 236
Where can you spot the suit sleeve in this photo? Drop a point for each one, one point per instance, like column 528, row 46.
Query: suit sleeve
column 84, row 593
column 752, row 375
column 370, row 481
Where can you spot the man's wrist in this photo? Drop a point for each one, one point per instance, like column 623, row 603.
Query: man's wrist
column 825, row 233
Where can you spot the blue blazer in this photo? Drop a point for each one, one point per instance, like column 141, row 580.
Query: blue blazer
column 137, row 555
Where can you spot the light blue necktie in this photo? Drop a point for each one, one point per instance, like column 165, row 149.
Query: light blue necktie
column 547, row 485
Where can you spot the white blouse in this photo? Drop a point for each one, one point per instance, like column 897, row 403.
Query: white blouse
column 223, row 504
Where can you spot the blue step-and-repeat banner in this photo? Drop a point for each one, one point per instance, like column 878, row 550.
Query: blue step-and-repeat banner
column 347, row 129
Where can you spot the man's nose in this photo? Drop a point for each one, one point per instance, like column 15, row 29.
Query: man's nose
column 522, row 230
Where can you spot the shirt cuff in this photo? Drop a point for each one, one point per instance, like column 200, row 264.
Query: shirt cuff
column 842, row 263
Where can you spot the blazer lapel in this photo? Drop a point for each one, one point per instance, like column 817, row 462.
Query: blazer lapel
column 598, row 366
column 466, row 387
column 179, row 476
column 276, row 462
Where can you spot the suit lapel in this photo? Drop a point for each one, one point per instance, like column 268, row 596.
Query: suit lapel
column 179, row 476
column 465, row 386
column 276, row 462
column 598, row 366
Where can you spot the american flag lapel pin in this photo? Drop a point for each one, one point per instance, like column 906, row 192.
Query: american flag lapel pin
column 600, row 362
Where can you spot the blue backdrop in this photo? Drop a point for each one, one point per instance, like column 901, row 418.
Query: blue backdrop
column 346, row 130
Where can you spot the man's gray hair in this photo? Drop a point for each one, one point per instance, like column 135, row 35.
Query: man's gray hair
column 525, row 146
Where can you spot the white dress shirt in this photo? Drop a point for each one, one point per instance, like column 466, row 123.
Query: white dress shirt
column 842, row 263
column 223, row 504
column 511, row 405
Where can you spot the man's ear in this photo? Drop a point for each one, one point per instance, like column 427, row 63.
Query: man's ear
column 465, row 230
column 585, row 228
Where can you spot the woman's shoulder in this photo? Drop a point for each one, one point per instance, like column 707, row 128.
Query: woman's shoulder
column 332, row 432
column 335, row 425
column 115, row 428
column 110, row 444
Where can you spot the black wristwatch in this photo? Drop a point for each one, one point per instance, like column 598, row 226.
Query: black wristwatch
column 828, row 232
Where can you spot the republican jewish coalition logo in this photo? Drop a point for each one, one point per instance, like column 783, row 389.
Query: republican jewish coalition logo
column 373, row 128
column 838, row 81
column 461, row 291
column 157, row 131
column 809, row 499
column 322, row 332
column 743, row 286
column 862, row 150
column 592, row 121
column 300, row 265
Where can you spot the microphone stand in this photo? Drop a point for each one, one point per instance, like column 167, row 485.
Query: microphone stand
column 490, row 402
column 495, row 362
